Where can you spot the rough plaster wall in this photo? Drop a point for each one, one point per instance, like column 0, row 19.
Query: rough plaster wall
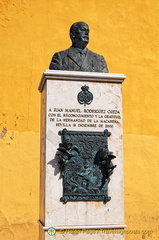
column 125, row 32
column 19, row 185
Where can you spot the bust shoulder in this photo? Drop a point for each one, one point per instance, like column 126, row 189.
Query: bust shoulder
column 95, row 54
column 63, row 52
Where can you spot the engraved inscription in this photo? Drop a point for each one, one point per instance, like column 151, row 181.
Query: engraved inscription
column 91, row 118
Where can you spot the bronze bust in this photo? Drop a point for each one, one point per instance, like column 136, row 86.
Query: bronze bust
column 78, row 57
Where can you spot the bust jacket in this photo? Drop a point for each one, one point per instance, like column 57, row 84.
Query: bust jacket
column 71, row 60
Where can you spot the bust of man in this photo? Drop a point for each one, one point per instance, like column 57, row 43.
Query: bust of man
column 78, row 57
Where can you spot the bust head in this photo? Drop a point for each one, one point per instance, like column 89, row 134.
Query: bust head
column 79, row 34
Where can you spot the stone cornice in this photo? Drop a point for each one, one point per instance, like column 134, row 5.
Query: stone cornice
column 80, row 76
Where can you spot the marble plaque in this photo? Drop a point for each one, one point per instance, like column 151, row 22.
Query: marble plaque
column 61, row 109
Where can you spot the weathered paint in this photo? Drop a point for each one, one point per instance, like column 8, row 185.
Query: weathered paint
column 126, row 33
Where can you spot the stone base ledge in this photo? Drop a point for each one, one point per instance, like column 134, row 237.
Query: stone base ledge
column 74, row 227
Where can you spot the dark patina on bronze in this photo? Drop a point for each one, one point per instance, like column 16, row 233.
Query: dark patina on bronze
column 78, row 57
column 85, row 165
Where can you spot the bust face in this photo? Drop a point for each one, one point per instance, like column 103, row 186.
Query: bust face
column 82, row 32
column 81, row 35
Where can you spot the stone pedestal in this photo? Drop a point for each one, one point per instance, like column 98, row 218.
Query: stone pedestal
column 61, row 108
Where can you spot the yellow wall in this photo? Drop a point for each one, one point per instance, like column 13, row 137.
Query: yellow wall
column 126, row 33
